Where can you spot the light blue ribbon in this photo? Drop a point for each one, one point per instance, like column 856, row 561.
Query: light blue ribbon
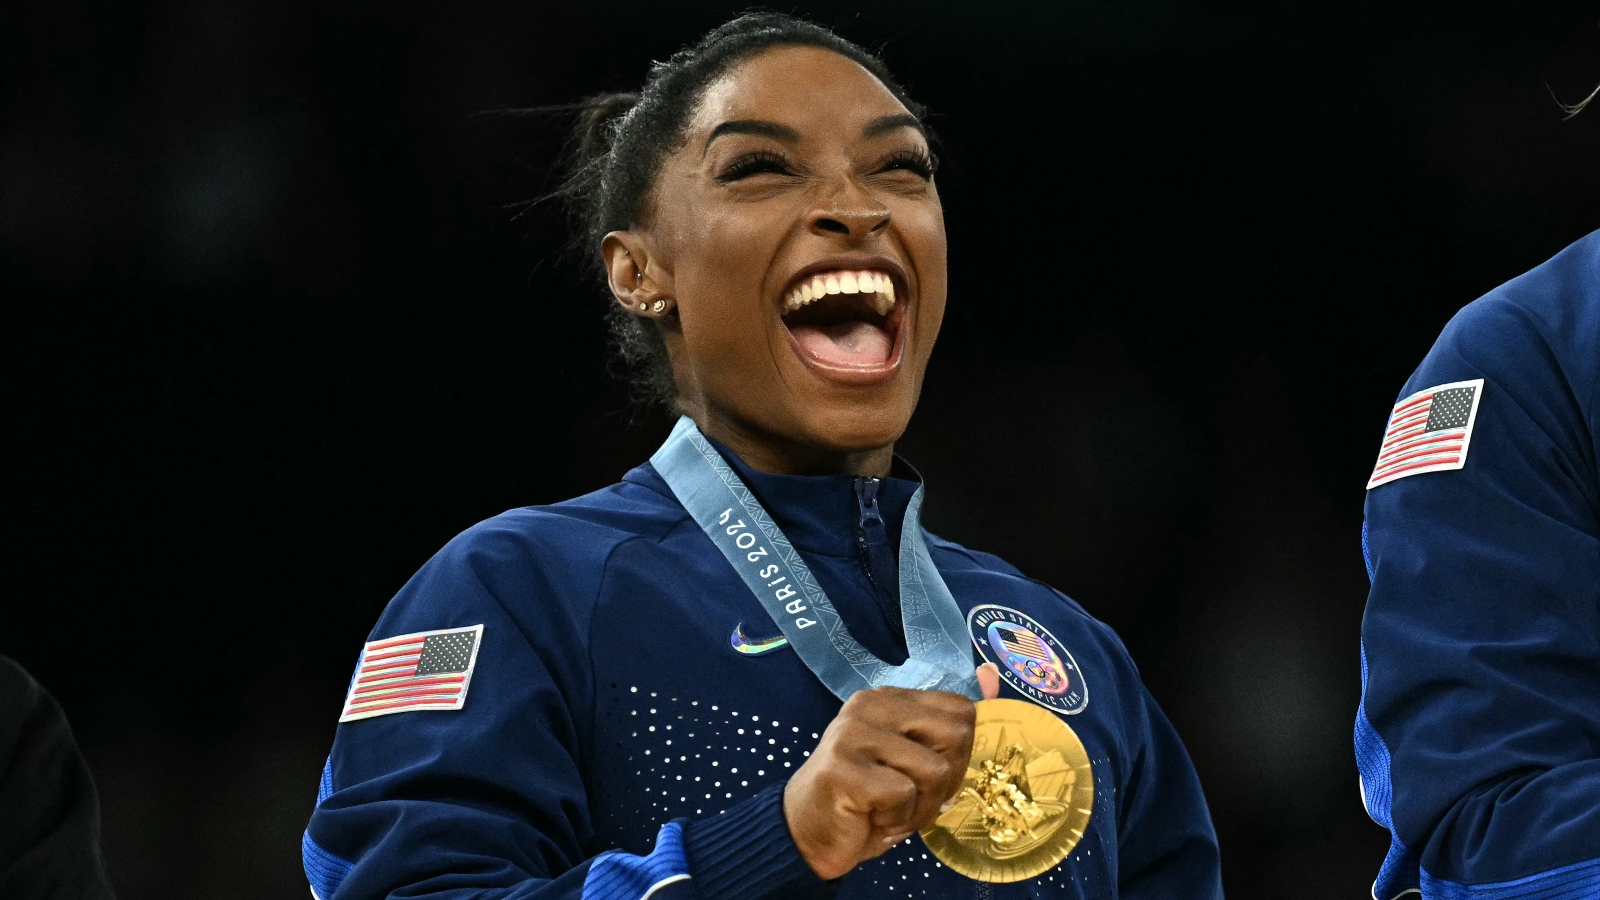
column 770, row 566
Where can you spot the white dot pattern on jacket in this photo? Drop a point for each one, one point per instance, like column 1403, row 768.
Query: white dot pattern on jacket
column 696, row 758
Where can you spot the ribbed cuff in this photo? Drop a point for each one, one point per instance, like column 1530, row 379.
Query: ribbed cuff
column 747, row 852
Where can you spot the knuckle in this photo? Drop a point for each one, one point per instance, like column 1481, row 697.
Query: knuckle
column 850, row 731
column 953, row 735
column 960, row 707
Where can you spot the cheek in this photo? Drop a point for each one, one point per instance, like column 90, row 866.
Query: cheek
column 924, row 235
column 921, row 229
column 721, row 265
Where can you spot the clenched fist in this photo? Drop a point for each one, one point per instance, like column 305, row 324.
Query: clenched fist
column 882, row 770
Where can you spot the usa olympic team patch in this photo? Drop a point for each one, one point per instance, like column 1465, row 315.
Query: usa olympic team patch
column 411, row 672
column 1429, row 431
column 1030, row 658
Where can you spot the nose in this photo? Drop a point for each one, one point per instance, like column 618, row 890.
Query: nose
column 851, row 214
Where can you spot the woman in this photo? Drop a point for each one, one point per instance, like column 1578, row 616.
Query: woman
column 657, row 691
column 1478, row 734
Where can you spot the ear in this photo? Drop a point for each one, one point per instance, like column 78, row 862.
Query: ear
column 641, row 287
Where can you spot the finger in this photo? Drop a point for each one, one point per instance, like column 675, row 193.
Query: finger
column 887, row 796
column 937, row 719
column 936, row 776
column 943, row 761
column 952, row 738
column 989, row 680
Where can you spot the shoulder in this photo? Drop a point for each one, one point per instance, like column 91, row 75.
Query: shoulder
column 1536, row 330
column 952, row 557
column 580, row 533
column 544, row 566
column 15, row 682
column 957, row 561
column 1519, row 470
column 20, row 700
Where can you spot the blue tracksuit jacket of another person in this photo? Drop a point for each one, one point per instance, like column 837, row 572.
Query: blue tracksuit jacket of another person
column 629, row 726
column 1478, row 735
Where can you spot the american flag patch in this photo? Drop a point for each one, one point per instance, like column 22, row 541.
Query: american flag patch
column 1428, row 431
column 1023, row 643
column 426, row 670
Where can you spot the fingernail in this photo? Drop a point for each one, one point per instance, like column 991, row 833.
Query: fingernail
column 948, row 805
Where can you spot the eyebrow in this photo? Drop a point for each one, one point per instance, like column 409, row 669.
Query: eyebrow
column 753, row 126
column 876, row 128
column 885, row 124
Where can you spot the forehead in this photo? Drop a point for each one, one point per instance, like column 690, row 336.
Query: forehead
column 795, row 86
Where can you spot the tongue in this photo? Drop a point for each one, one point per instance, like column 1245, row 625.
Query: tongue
column 845, row 343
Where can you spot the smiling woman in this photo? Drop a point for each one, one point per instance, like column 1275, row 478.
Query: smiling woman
column 746, row 670
column 777, row 204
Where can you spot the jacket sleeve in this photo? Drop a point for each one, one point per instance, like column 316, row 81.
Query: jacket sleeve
column 489, row 801
column 1478, row 735
column 1167, row 846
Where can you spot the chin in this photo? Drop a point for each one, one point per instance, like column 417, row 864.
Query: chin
column 856, row 427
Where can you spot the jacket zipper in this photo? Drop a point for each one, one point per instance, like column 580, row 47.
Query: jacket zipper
column 872, row 539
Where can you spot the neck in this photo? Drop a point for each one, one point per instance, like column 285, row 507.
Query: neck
column 778, row 455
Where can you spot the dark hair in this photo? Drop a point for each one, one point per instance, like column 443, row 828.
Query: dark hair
column 621, row 140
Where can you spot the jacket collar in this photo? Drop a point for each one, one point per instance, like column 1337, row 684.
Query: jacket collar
column 821, row 513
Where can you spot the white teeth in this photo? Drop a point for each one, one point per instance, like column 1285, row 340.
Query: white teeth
column 877, row 285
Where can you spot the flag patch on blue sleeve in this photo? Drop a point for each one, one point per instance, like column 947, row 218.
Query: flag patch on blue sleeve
column 1429, row 431
column 426, row 670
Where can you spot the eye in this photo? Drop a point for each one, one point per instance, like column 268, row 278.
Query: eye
column 918, row 161
column 758, row 163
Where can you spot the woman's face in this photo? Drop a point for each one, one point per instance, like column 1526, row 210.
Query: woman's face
column 799, row 233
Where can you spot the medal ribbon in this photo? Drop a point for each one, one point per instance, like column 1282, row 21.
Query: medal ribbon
column 757, row 549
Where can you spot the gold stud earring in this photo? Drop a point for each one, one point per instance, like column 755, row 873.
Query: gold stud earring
column 642, row 307
column 658, row 307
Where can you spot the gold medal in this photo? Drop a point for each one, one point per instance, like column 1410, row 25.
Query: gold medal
column 1025, row 801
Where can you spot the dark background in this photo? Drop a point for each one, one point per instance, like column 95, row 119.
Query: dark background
column 275, row 331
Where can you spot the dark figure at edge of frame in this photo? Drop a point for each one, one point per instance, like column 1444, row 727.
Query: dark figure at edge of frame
column 591, row 700
column 49, row 811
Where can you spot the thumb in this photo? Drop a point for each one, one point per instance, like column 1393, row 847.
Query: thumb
column 989, row 680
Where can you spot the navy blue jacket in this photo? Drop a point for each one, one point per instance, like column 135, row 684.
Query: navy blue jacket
column 1478, row 735
column 614, row 743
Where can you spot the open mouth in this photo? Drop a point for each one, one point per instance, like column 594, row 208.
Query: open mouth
column 845, row 318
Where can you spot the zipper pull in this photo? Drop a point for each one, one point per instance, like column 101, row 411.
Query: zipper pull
column 867, row 500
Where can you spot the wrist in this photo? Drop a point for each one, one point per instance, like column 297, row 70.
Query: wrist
column 748, row 851
column 815, row 856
